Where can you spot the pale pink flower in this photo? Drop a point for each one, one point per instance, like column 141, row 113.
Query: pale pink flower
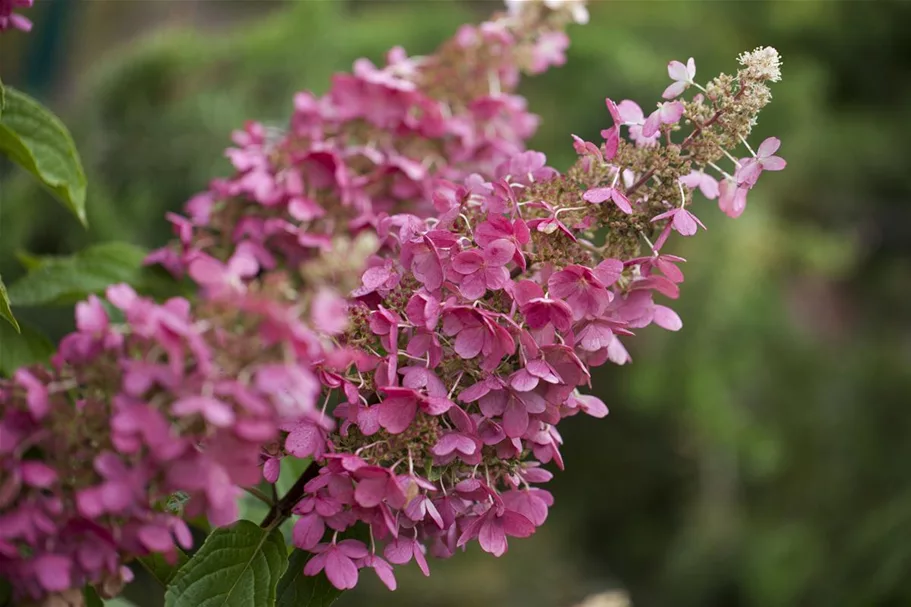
column 338, row 561
column 682, row 75
column 750, row 168
column 599, row 195
column 683, row 222
column 667, row 113
column 707, row 184
column 732, row 199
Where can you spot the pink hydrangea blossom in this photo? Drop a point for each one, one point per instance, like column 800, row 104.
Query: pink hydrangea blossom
column 750, row 168
column 667, row 113
column 682, row 75
column 394, row 288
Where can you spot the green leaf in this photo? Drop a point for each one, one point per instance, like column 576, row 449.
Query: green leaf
column 298, row 590
column 238, row 566
column 34, row 138
column 162, row 570
column 91, row 597
column 5, row 311
column 2, row 99
column 65, row 280
column 6, row 593
column 29, row 261
column 22, row 349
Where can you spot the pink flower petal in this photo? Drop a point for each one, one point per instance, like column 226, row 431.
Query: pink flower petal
column 768, row 147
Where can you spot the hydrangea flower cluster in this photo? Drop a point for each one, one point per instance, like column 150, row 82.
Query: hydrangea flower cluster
column 150, row 414
column 481, row 287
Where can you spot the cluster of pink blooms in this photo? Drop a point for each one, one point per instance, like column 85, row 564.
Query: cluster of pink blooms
column 11, row 20
column 101, row 453
column 477, row 299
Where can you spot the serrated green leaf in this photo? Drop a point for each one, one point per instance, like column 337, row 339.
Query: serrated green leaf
column 22, row 349
column 237, row 566
column 34, row 138
column 298, row 590
column 5, row 311
column 65, row 280
column 162, row 570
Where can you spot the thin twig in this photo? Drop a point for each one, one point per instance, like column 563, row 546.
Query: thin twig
column 283, row 508
column 259, row 495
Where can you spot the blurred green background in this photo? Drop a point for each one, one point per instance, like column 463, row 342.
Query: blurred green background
column 758, row 458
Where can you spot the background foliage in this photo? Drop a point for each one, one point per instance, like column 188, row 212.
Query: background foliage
column 758, row 458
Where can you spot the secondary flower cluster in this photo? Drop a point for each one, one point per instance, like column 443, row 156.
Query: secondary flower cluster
column 482, row 288
column 149, row 414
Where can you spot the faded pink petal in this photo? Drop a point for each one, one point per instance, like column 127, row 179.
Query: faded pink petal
column 667, row 318
column 768, row 147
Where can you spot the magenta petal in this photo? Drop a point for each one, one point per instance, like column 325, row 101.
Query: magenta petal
column 469, row 342
column 467, row 262
column 516, row 525
column 622, row 202
column 395, row 414
column 684, row 223
column 341, row 570
column 371, row 491
column 592, row 405
column 609, row 271
column 304, row 440
column 38, row 474
column 53, row 572
column 421, row 560
column 437, row 405
column 308, row 531
column 272, row 469
column 515, row 419
column 597, row 195
column 399, row 551
column 499, row 252
column 492, row 537
column 316, row 564
column 384, row 572
column 523, row 381
column 155, row 538
column 354, row 549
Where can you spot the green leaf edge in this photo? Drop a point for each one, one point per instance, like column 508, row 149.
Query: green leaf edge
column 69, row 264
column 72, row 195
column 5, row 310
column 161, row 570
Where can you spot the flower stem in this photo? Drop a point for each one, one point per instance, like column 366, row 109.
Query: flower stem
column 259, row 495
column 282, row 509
